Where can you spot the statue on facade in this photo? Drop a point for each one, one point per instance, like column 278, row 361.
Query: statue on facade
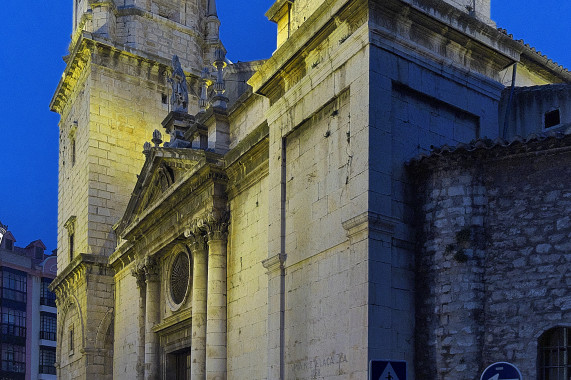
column 179, row 97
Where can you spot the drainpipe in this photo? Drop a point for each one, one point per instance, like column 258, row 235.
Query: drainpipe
column 509, row 105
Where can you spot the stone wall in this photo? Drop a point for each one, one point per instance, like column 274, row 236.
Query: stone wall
column 528, row 256
column 129, row 317
column 492, row 264
column 248, row 282
column 449, row 276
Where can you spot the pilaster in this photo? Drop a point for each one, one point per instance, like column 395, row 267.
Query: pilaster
column 276, row 306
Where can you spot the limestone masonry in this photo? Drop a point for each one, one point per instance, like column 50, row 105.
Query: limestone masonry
column 362, row 194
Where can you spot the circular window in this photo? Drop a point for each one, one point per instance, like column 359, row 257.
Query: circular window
column 180, row 277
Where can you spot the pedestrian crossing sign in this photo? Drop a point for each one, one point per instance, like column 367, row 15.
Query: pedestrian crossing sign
column 387, row 370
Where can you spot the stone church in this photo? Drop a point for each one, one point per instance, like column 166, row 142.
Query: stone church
column 391, row 184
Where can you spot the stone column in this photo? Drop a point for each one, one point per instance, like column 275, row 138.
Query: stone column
column 197, row 245
column 216, row 303
column 152, row 317
column 139, row 273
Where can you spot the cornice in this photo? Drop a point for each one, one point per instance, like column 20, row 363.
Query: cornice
column 312, row 32
column 436, row 14
column 76, row 269
column 368, row 222
column 174, row 321
column 81, row 54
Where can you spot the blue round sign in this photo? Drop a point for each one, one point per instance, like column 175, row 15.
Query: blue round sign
column 501, row 371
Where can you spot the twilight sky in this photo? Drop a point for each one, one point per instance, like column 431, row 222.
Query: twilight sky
column 35, row 36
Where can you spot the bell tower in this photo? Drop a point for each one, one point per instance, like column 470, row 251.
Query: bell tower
column 112, row 95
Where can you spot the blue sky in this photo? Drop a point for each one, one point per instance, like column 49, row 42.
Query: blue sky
column 35, row 37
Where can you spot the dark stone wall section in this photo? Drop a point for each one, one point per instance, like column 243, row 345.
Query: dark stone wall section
column 493, row 259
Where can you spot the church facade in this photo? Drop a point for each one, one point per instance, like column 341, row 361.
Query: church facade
column 291, row 227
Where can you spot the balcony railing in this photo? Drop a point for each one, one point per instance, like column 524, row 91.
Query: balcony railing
column 48, row 335
column 48, row 301
column 47, row 369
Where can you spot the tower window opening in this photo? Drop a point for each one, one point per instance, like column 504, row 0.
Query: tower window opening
column 164, row 98
column 73, row 152
column 71, row 341
column 71, row 245
column 552, row 118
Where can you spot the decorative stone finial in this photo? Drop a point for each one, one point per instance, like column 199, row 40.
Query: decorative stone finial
column 179, row 97
column 146, row 148
column 157, row 138
column 212, row 8
column 220, row 86
column 206, row 82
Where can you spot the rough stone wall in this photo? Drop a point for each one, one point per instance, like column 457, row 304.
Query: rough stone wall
column 528, row 259
column 450, row 271
column 493, row 267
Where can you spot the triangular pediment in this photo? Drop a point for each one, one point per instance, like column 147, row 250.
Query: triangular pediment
column 162, row 172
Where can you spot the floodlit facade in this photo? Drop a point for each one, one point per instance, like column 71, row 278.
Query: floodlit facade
column 265, row 220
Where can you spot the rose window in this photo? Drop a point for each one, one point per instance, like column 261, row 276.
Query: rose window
column 180, row 277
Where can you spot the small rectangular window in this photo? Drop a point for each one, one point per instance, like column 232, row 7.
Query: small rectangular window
column 47, row 298
column 552, row 118
column 9, row 244
column 71, row 341
column 73, row 152
column 71, row 246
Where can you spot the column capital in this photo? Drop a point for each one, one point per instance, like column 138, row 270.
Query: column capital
column 139, row 273
column 215, row 224
column 146, row 270
column 195, row 238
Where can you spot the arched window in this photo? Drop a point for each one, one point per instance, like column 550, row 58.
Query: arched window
column 554, row 354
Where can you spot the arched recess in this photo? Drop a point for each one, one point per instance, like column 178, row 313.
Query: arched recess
column 105, row 326
column 70, row 303
column 69, row 314
column 104, row 340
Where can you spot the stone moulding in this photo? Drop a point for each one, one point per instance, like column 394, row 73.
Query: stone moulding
column 81, row 55
column 268, row 80
column 82, row 264
column 274, row 263
column 368, row 222
column 197, row 198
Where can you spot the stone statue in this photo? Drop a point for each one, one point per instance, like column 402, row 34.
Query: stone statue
column 179, row 97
